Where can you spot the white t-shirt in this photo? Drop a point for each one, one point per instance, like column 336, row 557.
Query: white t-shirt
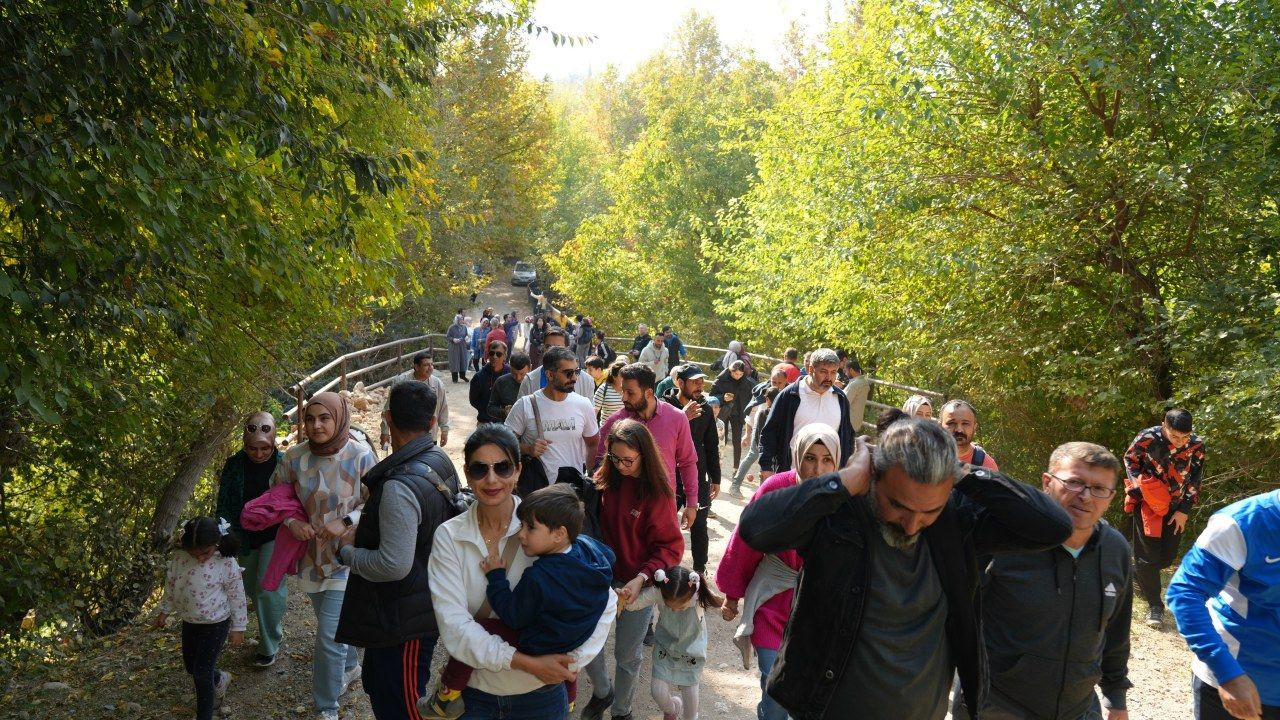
column 815, row 408
column 564, row 423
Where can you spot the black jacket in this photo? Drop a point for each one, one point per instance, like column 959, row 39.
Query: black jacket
column 482, row 389
column 775, row 435
column 741, row 389
column 1056, row 626
column 385, row 614
column 987, row 513
column 706, row 440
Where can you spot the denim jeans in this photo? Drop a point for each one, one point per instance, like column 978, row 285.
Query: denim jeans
column 768, row 709
column 628, row 650
column 753, row 454
column 268, row 605
column 546, row 703
column 331, row 658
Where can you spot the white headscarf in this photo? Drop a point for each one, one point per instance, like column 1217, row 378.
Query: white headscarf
column 914, row 403
column 807, row 436
column 731, row 357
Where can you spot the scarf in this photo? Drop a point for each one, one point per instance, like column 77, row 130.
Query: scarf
column 337, row 407
column 807, row 436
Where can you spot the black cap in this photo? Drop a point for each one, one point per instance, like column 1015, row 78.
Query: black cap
column 689, row 372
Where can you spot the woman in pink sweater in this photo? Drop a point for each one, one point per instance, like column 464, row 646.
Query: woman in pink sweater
column 767, row 583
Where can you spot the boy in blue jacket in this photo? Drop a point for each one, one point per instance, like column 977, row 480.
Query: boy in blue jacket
column 556, row 605
column 1226, row 600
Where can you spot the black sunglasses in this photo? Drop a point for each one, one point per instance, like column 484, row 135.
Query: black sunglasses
column 476, row 470
column 250, row 427
column 496, row 353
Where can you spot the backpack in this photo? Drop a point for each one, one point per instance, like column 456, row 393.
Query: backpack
column 458, row 502
column 979, row 456
column 718, row 365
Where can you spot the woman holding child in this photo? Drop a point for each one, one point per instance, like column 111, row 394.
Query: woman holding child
column 504, row 682
column 638, row 522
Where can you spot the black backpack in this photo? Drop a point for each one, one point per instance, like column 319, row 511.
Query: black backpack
column 718, row 365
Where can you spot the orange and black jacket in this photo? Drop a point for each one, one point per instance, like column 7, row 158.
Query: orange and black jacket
column 1160, row 479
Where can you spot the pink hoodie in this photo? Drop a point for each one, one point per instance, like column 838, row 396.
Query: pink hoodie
column 273, row 507
column 739, row 564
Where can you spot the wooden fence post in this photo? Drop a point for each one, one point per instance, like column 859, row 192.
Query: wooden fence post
column 344, row 373
column 302, row 397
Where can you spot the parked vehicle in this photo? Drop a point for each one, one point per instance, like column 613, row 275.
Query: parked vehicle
column 524, row 274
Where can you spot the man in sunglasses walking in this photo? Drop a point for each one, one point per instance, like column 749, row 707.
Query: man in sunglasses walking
column 561, row 431
column 1053, row 619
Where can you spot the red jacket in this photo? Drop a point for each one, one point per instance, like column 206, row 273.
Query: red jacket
column 644, row 537
column 273, row 507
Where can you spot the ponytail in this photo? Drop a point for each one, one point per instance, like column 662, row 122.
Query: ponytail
column 201, row 532
column 679, row 582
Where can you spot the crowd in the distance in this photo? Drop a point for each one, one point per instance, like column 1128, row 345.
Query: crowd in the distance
column 907, row 578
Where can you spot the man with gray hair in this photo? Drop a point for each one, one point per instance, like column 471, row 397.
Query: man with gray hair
column 886, row 611
column 813, row 398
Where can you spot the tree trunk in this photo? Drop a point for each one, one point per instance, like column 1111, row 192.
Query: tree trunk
column 191, row 465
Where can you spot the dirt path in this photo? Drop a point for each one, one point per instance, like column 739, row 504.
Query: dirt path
column 138, row 673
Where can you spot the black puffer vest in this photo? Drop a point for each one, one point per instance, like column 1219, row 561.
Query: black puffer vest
column 385, row 614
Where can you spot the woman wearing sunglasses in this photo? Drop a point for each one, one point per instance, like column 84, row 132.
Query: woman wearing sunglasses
column 506, row 683
column 245, row 476
column 638, row 522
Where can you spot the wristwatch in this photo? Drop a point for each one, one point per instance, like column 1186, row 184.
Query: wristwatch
column 346, row 520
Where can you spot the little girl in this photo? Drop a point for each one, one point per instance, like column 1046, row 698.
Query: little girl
column 680, row 640
column 204, row 588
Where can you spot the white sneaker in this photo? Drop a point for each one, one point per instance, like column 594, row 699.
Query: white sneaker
column 327, row 715
column 349, row 677
column 220, row 689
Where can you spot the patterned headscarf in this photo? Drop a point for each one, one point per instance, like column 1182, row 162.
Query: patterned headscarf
column 337, row 407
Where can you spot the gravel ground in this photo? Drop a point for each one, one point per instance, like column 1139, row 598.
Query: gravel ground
column 138, row 673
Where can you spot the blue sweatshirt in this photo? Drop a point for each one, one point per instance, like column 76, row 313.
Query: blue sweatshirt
column 559, row 599
column 1235, row 568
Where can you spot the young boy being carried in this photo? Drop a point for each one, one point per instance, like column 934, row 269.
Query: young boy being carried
column 556, row 604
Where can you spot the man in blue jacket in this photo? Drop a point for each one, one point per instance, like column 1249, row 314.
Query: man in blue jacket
column 1225, row 598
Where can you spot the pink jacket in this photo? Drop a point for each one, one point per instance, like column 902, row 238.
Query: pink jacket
column 739, row 564
column 273, row 507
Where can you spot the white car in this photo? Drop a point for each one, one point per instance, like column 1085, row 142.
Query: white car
column 524, row 274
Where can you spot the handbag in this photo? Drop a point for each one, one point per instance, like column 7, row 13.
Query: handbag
column 533, row 474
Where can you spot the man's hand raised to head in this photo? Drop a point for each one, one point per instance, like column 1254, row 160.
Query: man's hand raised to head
column 856, row 474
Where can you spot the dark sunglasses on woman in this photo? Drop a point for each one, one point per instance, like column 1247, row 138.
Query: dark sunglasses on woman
column 250, row 427
column 476, row 470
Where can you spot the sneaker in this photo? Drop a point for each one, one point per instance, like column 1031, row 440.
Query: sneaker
column 596, row 707
column 711, row 515
column 264, row 661
column 327, row 715
column 220, row 688
column 744, row 646
column 349, row 677
column 1155, row 618
column 433, row 707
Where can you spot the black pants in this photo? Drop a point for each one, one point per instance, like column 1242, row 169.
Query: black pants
column 455, row 375
column 735, row 438
column 1150, row 556
column 698, row 540
column 1206, row 703
column 201, row 645
column 395, row 677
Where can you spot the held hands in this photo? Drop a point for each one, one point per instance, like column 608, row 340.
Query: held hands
column 730, row 610
column 856, row 474
column 1240, row 698
column 333, row 529
column 631, row 590
column 235, row 638
column 1178, row 520
column 491, row 562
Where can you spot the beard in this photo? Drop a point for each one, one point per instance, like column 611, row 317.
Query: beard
column 636, row 407
column 894, row 535
column 961, row 438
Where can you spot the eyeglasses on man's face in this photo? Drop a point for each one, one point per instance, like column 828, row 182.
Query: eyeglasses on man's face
column 1075, row 486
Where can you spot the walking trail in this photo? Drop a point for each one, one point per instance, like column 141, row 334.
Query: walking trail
column 137, row 673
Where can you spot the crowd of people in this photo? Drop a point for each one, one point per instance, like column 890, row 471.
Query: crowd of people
column 905, row 579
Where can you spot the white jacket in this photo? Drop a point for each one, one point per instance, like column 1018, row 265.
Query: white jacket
column 656, row 357
column 457, row 591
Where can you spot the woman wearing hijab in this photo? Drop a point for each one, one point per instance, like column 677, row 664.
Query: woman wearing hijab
column 245, row 476
column 325, row 471
column 459, row 338
column 767, row 582
column 731, row 356
column 918, row 406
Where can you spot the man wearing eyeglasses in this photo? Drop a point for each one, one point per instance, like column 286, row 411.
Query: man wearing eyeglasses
column 1164, row 465
column 1056, row 622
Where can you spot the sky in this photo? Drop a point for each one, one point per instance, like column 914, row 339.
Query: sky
column 628, row 32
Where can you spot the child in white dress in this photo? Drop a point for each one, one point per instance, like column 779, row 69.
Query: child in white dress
column 203, row 587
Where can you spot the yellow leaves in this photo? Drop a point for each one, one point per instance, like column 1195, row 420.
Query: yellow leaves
column 273, row 56
column 29, row 620
column 44, row 119
column 324, row 107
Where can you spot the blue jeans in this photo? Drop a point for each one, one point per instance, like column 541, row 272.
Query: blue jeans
column 549, row 702
column 331, row 658
column 628, row 650
column 768, row 709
